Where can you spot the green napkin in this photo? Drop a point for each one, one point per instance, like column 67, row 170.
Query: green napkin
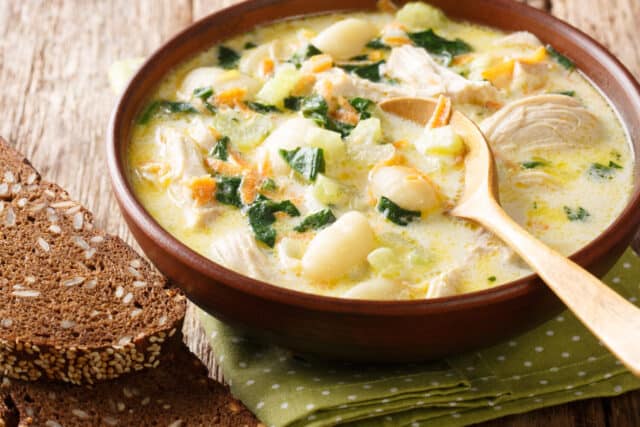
column 557, row 362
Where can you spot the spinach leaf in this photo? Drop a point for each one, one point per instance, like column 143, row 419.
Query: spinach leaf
column 567, row 92
column 262, row 108
column 315, row 107
column 577, row 214
column 293, row 102
column 366, row 71
column 268, row 185
column 316, row 221
column 560, row 58
column 227, row 57
column 362, row 105
column 532, row 164
column 298, row 58
column 307, row 161
column 261, row 217
column 437, row 45
column 363, row 57
column 377, row 44
column 227, row 190
column 204, row 93
column 221, row 149
column 491, row 278
column 599, row 172
column 250, row 45
column 164, row 107
column 395, row 213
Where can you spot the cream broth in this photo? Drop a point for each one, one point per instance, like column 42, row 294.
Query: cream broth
column 267, row 153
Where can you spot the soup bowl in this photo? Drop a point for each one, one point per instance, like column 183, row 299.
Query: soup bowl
column 361, row 330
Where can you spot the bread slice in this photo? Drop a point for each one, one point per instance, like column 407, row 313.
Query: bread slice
column 179, row 394
column 78, row 305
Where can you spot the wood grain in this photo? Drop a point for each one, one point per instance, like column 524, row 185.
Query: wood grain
column 56, row 102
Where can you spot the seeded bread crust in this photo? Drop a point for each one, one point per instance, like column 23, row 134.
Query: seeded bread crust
column 179, row 394
column 78, row 305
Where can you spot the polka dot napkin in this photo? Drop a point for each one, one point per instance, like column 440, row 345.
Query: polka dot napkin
column 557, row 362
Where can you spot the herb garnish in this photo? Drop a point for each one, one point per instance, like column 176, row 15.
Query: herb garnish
column 227, row 190
column 164, row 107
column 221, row 149
column 204, row 93
column 227, row 57
column 437, row 45
column 560, row 58
column 261, row 217
column 577, row 214
column 377, row 44
column 316, row 221
column 571, row 93
column 262, row 108
column 599, row 171
column 293, row 102
column 307, row 161
column 532, row 164
column 395, row 213
column 298, row 58
column 491, row 278
column 369, row 71
column 250, row 45
column 362, row 105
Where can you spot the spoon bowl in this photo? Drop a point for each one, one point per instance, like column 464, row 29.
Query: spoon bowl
column 609, row 316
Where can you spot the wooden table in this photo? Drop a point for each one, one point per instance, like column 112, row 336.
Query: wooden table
column 56, row 101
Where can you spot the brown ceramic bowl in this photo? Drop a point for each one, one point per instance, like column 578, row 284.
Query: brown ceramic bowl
column 382, row 331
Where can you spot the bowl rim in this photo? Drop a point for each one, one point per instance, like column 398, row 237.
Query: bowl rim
column 629, row 217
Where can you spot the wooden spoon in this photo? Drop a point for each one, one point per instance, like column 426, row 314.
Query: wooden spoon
column 611, row 318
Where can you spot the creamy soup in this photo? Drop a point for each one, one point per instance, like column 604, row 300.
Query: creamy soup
column 268, row 153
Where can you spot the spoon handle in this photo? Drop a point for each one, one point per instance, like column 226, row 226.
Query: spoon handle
column 609, row 316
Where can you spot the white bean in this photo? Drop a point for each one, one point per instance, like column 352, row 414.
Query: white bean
column 338, row 248
column 378, row 288
column 345, row 38
column 406, row 187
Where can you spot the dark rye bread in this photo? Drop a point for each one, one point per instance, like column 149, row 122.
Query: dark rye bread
column 77, row 305
column 179, row 394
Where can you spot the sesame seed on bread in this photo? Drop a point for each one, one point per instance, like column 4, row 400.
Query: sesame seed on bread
column 78, row 305
column 177, row 395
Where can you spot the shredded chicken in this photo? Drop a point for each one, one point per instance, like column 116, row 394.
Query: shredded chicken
column 350, row 86
column 419, row 72
column 540, row 122
column 240, row 252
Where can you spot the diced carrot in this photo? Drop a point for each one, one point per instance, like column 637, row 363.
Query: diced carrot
column 503, row 69
column 346, row 112
column 304, row 85
column 249, row 186
column 493, row 105
column 214, row 133
column 400, row 144
column 266, row 66
column 318, row 63
column 396, row 40
column 441, row 114
column 231, row 97
column 538, row 56
column 462, row 59
column 202, row 189
column 222, row 167
column 376, row 55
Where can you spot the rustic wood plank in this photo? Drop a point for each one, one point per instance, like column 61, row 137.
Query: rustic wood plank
column 613, row 23
column 56, row 99
column 202, row 8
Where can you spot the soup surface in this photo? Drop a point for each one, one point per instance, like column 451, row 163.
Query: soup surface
column 268, row 154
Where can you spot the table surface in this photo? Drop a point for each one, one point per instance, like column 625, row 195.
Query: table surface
column 55, row 104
